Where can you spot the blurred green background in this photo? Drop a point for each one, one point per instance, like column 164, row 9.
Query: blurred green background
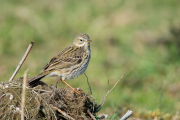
column 140, row 38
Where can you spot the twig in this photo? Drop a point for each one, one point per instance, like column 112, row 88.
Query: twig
column 127, row 115
column 176, row 116
column 102, row 102
column 21, row 62
column 155, row 118
column 63, row 113
column 88, row 83
column 23, row 94
column 30, row 89
column 91, row 115
column 108, row 84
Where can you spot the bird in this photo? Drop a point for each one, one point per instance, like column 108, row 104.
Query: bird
column 69, row 63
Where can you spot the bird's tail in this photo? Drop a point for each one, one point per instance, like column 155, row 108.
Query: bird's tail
column 36, row 79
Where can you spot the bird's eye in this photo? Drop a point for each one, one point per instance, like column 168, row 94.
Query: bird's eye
column 81, row 40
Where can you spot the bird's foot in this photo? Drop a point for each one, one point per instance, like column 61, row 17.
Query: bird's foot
column 76, row 90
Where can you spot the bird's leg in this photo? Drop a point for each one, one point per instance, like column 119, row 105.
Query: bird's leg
column 73, row 90
column 67, row 84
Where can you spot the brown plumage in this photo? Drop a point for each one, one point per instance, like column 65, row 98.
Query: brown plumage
column 70, row 62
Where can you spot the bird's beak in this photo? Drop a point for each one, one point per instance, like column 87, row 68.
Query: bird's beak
column 89, row 41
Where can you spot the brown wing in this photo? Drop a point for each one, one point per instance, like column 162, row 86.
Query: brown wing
column 68, row 57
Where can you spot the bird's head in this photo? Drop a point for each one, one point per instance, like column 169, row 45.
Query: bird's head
column 82, row 40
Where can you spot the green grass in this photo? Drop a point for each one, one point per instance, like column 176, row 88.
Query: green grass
column 126, row 38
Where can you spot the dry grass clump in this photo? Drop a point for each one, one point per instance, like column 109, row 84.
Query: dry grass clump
column 45, row 102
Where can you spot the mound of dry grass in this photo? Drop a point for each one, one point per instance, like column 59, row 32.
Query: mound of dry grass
column 45, row 102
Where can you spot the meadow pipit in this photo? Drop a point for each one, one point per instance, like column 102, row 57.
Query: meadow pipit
column 69, row 63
